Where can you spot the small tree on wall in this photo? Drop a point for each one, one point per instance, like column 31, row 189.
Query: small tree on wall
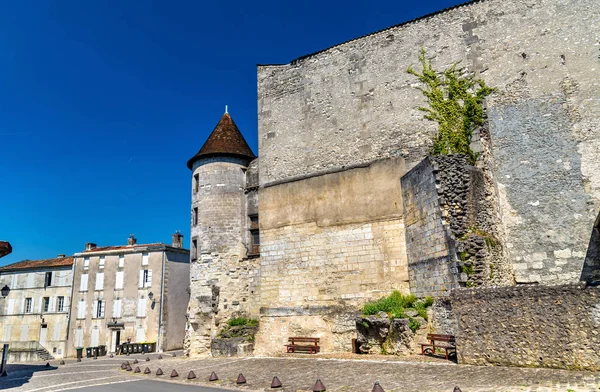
column 455, row 101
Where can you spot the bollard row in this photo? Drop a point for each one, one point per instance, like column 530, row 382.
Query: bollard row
column 275, row 383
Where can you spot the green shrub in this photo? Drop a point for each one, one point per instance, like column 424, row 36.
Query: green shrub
column 239, row 321
column 455, row 101
column 413, row 325
column 395, row 304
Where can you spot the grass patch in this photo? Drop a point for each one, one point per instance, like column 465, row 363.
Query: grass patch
column 239, row 321
column 394, row 305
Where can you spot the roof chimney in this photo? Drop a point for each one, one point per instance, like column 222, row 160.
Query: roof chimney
column 131, row 240
column 177, row 240
column 60, row 255
column 89, row 245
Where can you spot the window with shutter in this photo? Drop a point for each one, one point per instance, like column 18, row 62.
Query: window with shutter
column 79, row 337
column 84, row 282
column 140, row 335
column 147, row 278
column 100, row 281
column 86, row 263
column 60, row 307
column 24, row 332
column 30, row 280
column 95, row 337
column 81, row 309
column 11, row 306
column 121, row 261
column 144, row 258
column 119, row 280
column 56, row 333
column 102, row 261
column 141, row 310
column 117, row 308
column 7, row 331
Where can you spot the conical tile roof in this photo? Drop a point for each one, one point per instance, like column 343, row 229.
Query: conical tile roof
column 225, row 139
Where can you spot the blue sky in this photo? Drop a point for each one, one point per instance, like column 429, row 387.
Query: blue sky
column 102, row 103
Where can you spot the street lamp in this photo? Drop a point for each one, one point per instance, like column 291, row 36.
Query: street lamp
column 5, row 290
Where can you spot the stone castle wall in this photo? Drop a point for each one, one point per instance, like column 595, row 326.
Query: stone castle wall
column 354, row 103
column 451, row 230
column 510, row 326
column 328, row 244
column 431, row 251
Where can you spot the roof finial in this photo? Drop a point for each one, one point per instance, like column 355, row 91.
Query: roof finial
column 226, row 112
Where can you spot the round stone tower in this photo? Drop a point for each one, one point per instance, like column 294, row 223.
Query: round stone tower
column 218, row 233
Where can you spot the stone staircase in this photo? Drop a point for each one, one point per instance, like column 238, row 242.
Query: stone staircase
column 43, row 354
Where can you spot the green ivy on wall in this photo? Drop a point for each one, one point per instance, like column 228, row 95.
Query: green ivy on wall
column 455, row 101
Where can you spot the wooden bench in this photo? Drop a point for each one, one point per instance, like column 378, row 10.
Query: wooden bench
column 303, row 344
column 447, row 343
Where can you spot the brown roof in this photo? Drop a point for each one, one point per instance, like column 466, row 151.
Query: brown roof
column 118, row 247
column 225, row 139
column 38, row 264
column 5, row 248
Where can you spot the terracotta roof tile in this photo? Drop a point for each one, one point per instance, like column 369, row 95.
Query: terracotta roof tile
column 225, row 139
column 38, row 264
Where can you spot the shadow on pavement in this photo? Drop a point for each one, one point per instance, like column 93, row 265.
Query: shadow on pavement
column 19, row 374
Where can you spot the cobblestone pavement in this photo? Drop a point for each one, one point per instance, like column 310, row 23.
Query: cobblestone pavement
column 300, row 374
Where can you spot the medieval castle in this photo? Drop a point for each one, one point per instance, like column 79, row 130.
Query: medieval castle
column 344, row 205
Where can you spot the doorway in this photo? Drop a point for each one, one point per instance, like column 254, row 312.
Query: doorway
column 43, row 334
column 116, row 340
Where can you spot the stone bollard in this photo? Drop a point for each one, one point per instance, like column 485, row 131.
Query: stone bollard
column 457, row 389
column 147, row 359
column 174, row 373
column 62, row 362
column 128, row 368
column 135, row 361
column 377, row 387
column 241, row 379
column 213, row 377
column 47, row 364
column 276, row 383
column 319, row 387
column 191, row 375
column 147, row 370
column 159, row 372
column 137, row 370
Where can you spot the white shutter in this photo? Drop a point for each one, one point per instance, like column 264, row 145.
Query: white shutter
column 79, row 337
column 56, row 334
column 7, row 330
column 24, row 332
column 84, row 282
column 41, row 304
column 67, row 304
column 144, row 258
column 119, row 280
column 141, row 281
column 13, row 280
column 81, row 309
column 149, row 278
column 102, row 304
column 30, row 280
column 23, row 305
column 11, row 306
column 140, row 335
column 100, row 281
column 95, row 308
column 117, row 308
column 141, row 311
column 95, row 337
